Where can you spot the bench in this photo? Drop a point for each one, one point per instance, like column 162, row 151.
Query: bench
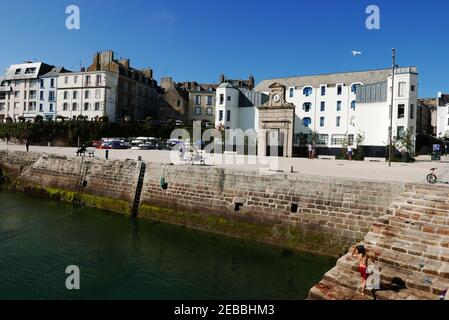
column 374, row 159
column 323, row 157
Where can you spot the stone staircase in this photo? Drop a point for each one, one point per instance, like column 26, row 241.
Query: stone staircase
column 410, row 242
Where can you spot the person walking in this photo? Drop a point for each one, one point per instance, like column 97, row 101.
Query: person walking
column 362, row 256
column 27, row 145
column 310, row 149
column 350, row 152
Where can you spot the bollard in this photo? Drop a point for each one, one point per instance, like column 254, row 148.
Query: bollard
column 291, row 169
column 107, row 154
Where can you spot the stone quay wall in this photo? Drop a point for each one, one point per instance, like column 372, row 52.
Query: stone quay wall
column 316, row 214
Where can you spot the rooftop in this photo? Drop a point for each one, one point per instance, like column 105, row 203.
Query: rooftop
column 347, row 78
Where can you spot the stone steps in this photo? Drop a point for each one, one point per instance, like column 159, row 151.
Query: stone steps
column 325, row 290
column 412, row 248
column 350, row 280
column 410, row 224
column 427, row 189
column 414, row 280
column 420, row 209
column 411, row 235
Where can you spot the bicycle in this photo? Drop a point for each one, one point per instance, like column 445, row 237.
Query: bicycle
column 432, row 177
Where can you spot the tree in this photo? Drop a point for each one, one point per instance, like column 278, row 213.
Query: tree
column 38, row 118
column 404, row 143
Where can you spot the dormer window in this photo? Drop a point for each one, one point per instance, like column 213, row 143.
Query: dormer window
column 18, row 71
column 307, row 91
column 354, row 87
column 30, row 70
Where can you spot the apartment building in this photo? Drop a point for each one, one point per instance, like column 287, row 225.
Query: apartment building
column 91, row 94
column 138, row 94
column 336, row 106
column 19, row 90
column 175, row 101
column 201, row 105
column 48, row 93
column 443, row 115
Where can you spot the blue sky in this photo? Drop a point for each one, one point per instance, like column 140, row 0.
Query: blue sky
column 198, row 40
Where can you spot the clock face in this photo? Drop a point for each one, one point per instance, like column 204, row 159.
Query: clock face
column 276, row 98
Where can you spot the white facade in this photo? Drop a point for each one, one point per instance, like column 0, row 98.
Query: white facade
column 88, row 94
column 328, row 105
column 443, row 115
column 19, row 90
column 47, row 96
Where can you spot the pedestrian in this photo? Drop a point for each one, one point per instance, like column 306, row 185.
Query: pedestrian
column 361, row 254
column 310, row 149
column 27, row 145
column 350, row 152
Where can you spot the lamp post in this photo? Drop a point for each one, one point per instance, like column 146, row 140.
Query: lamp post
column 390, row 151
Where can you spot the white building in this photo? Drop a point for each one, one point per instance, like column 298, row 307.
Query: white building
column 336, row 106
column 19, row 90
column 90, row 94
column 443, row 115
column 48, row 93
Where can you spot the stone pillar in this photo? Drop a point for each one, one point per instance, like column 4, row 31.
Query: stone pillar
column 262, row 142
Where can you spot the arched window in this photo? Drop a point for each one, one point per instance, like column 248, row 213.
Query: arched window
column 197, row 111
column 307, row 91
column 353, row 105
column 306, row 122
column 209, row 111
column 307, row 106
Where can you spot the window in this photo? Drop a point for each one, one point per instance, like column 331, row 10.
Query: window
column 338, row 105
column 337, row 123
column 16, row 94
column 401, row 89
column 338, row 139
column 51, row 107
column 323, row 139
column 306, row 122
column 220, row 115
column 291, row 92
column 66, row 80
column 18, row 71
column 32, row 106
column 41, row 107
column 209, row 111
column 75, row 79
column 307, row 91
column 321, row 121
column 350, row 139
column 209, row 100
column 354, row 88
column 97, row 93
column 52, row 83
column 412, row 111
column 400, row 131
column 75, row 94
column 41, row 95
column 2, row 95
column 323, row 90
column 86, row 94
column 97, row 106
column 24, row 94
column 87, row 79
column 339, row 89
column 412, row 88
column 221, row 98
column 229, row 98
column 30, row 70
column 65, row 106
column 74, row 106
column 2, row 106
column 125, row 100
column 307, row 106
column 66, row 94
column 197, row 99
column 42, row 82
column 98, row 80
column 32, row 94
column 178, row 103
column 353, row 105
column 228, row 115
column 86, row 106
column 401, row 111
column 197, row 111
column 323, row 106
column 51, row 96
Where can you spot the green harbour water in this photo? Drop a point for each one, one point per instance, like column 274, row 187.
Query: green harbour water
column 124, row 258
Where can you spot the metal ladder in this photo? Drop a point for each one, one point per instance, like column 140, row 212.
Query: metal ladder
column 81, row 184
column 139, row 188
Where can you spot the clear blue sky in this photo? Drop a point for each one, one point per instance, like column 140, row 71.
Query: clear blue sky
column 198, row 40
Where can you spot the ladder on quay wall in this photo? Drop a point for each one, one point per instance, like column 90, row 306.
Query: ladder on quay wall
column 81, row 184
column 139, row 188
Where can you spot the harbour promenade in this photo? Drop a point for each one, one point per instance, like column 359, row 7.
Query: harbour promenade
column 364, row 170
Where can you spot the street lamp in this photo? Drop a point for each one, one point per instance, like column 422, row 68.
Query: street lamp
column 390, row 152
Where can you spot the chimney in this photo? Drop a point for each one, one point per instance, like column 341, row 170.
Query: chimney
column 251, row 82
column 222, row 78
column 83, row 69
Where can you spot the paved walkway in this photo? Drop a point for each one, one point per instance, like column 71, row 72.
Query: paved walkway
column 404, row 172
